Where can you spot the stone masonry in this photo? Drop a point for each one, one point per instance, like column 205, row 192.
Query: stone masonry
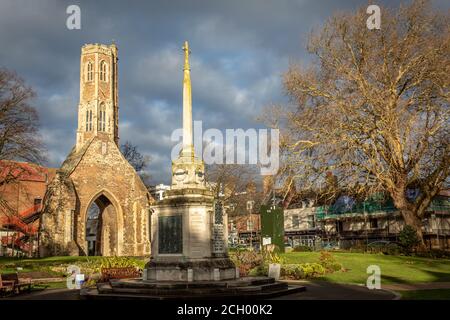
column 95, row 171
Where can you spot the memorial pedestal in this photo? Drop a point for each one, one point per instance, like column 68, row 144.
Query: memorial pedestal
column 188, row 240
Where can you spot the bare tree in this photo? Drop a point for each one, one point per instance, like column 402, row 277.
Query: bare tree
column 134, row 157
column 373, row 108
column 19, row 138
column 137, row 160
column 234, row 185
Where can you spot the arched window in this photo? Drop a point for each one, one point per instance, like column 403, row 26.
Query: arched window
column 103, row 71
column 102, row 118
column 88, row 120
column 89, row 71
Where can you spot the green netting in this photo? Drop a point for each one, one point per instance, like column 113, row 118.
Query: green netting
column 375, row 205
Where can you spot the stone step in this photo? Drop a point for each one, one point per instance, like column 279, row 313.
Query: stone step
column 230, row 294
column 274, row 286
column 243, row 282
column 194, row 291
column 262, row 281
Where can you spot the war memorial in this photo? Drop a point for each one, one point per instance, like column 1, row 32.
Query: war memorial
column 189, row 257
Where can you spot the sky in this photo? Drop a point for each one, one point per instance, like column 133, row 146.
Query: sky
column 240, row 49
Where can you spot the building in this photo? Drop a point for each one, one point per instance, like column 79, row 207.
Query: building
column 21, row 199
column 359, row 224
column 301, row 227
column 95, row 174
column 243, row 229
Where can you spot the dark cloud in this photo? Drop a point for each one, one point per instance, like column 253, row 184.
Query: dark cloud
column 239, row 51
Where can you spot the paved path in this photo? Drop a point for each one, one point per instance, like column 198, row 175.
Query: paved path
column 416, row 286
column 48, row 294
column 317, row 290
column 322, row 290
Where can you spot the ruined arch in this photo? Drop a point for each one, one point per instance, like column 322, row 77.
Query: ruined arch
column 111, row 224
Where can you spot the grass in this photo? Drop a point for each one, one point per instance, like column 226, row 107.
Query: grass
column 53, row 266
column 48, row 265
column 45, row 261
column 394, row 269
column 432, row 294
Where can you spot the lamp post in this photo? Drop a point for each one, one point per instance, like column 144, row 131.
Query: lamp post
column 249, row 209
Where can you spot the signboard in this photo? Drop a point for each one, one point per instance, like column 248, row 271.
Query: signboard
column 218, row 229
column 218, row 212
column 218, row 239
column 266, row 241
column 79, row 280
column 274, row 271
column 272, row 225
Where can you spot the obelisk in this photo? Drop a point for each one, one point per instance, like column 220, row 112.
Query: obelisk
column 188, row 147
column 188, row 170
column 187, row 244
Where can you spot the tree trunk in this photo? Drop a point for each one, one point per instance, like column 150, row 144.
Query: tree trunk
column 410, row 216
column 415, row 222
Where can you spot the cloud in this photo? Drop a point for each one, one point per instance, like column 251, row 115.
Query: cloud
column 239, row 51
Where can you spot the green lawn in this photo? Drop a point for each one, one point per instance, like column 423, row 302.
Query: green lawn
column 46, row 265
column 394, row 269
column 433, row 294
column 45, row 261
column 57, row 266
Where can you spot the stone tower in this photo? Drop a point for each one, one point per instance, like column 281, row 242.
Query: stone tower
column 96, row 172
column 98, row 110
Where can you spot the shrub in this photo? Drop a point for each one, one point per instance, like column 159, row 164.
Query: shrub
column 261, row 270
column 246, row 260
column 388, row 248
column 302, row 249
column 302, row 271
column 272, row 257
column 434, row 254
column 327, row 261
column 120, row 262
column 92, row 266
column 408, row 238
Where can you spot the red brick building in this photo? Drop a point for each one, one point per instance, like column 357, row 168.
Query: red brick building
column 242, row 228
column 23, row 186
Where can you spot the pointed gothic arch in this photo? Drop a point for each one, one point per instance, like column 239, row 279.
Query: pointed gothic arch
column 103, row 71
column 89, row 71
column 101, row 117
column 110, row 224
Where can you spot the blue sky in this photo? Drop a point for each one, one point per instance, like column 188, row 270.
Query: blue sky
column 239, row 51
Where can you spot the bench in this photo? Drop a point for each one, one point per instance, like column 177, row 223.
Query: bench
column 119, row 273
column 19, row 284
column 6, row 286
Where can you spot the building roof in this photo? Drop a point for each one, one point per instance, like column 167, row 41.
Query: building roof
column 25, row 171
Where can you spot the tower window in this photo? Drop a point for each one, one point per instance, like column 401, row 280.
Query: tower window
column 102, row 118
column 103, row 69
column 89, row 120
column 89, row 71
